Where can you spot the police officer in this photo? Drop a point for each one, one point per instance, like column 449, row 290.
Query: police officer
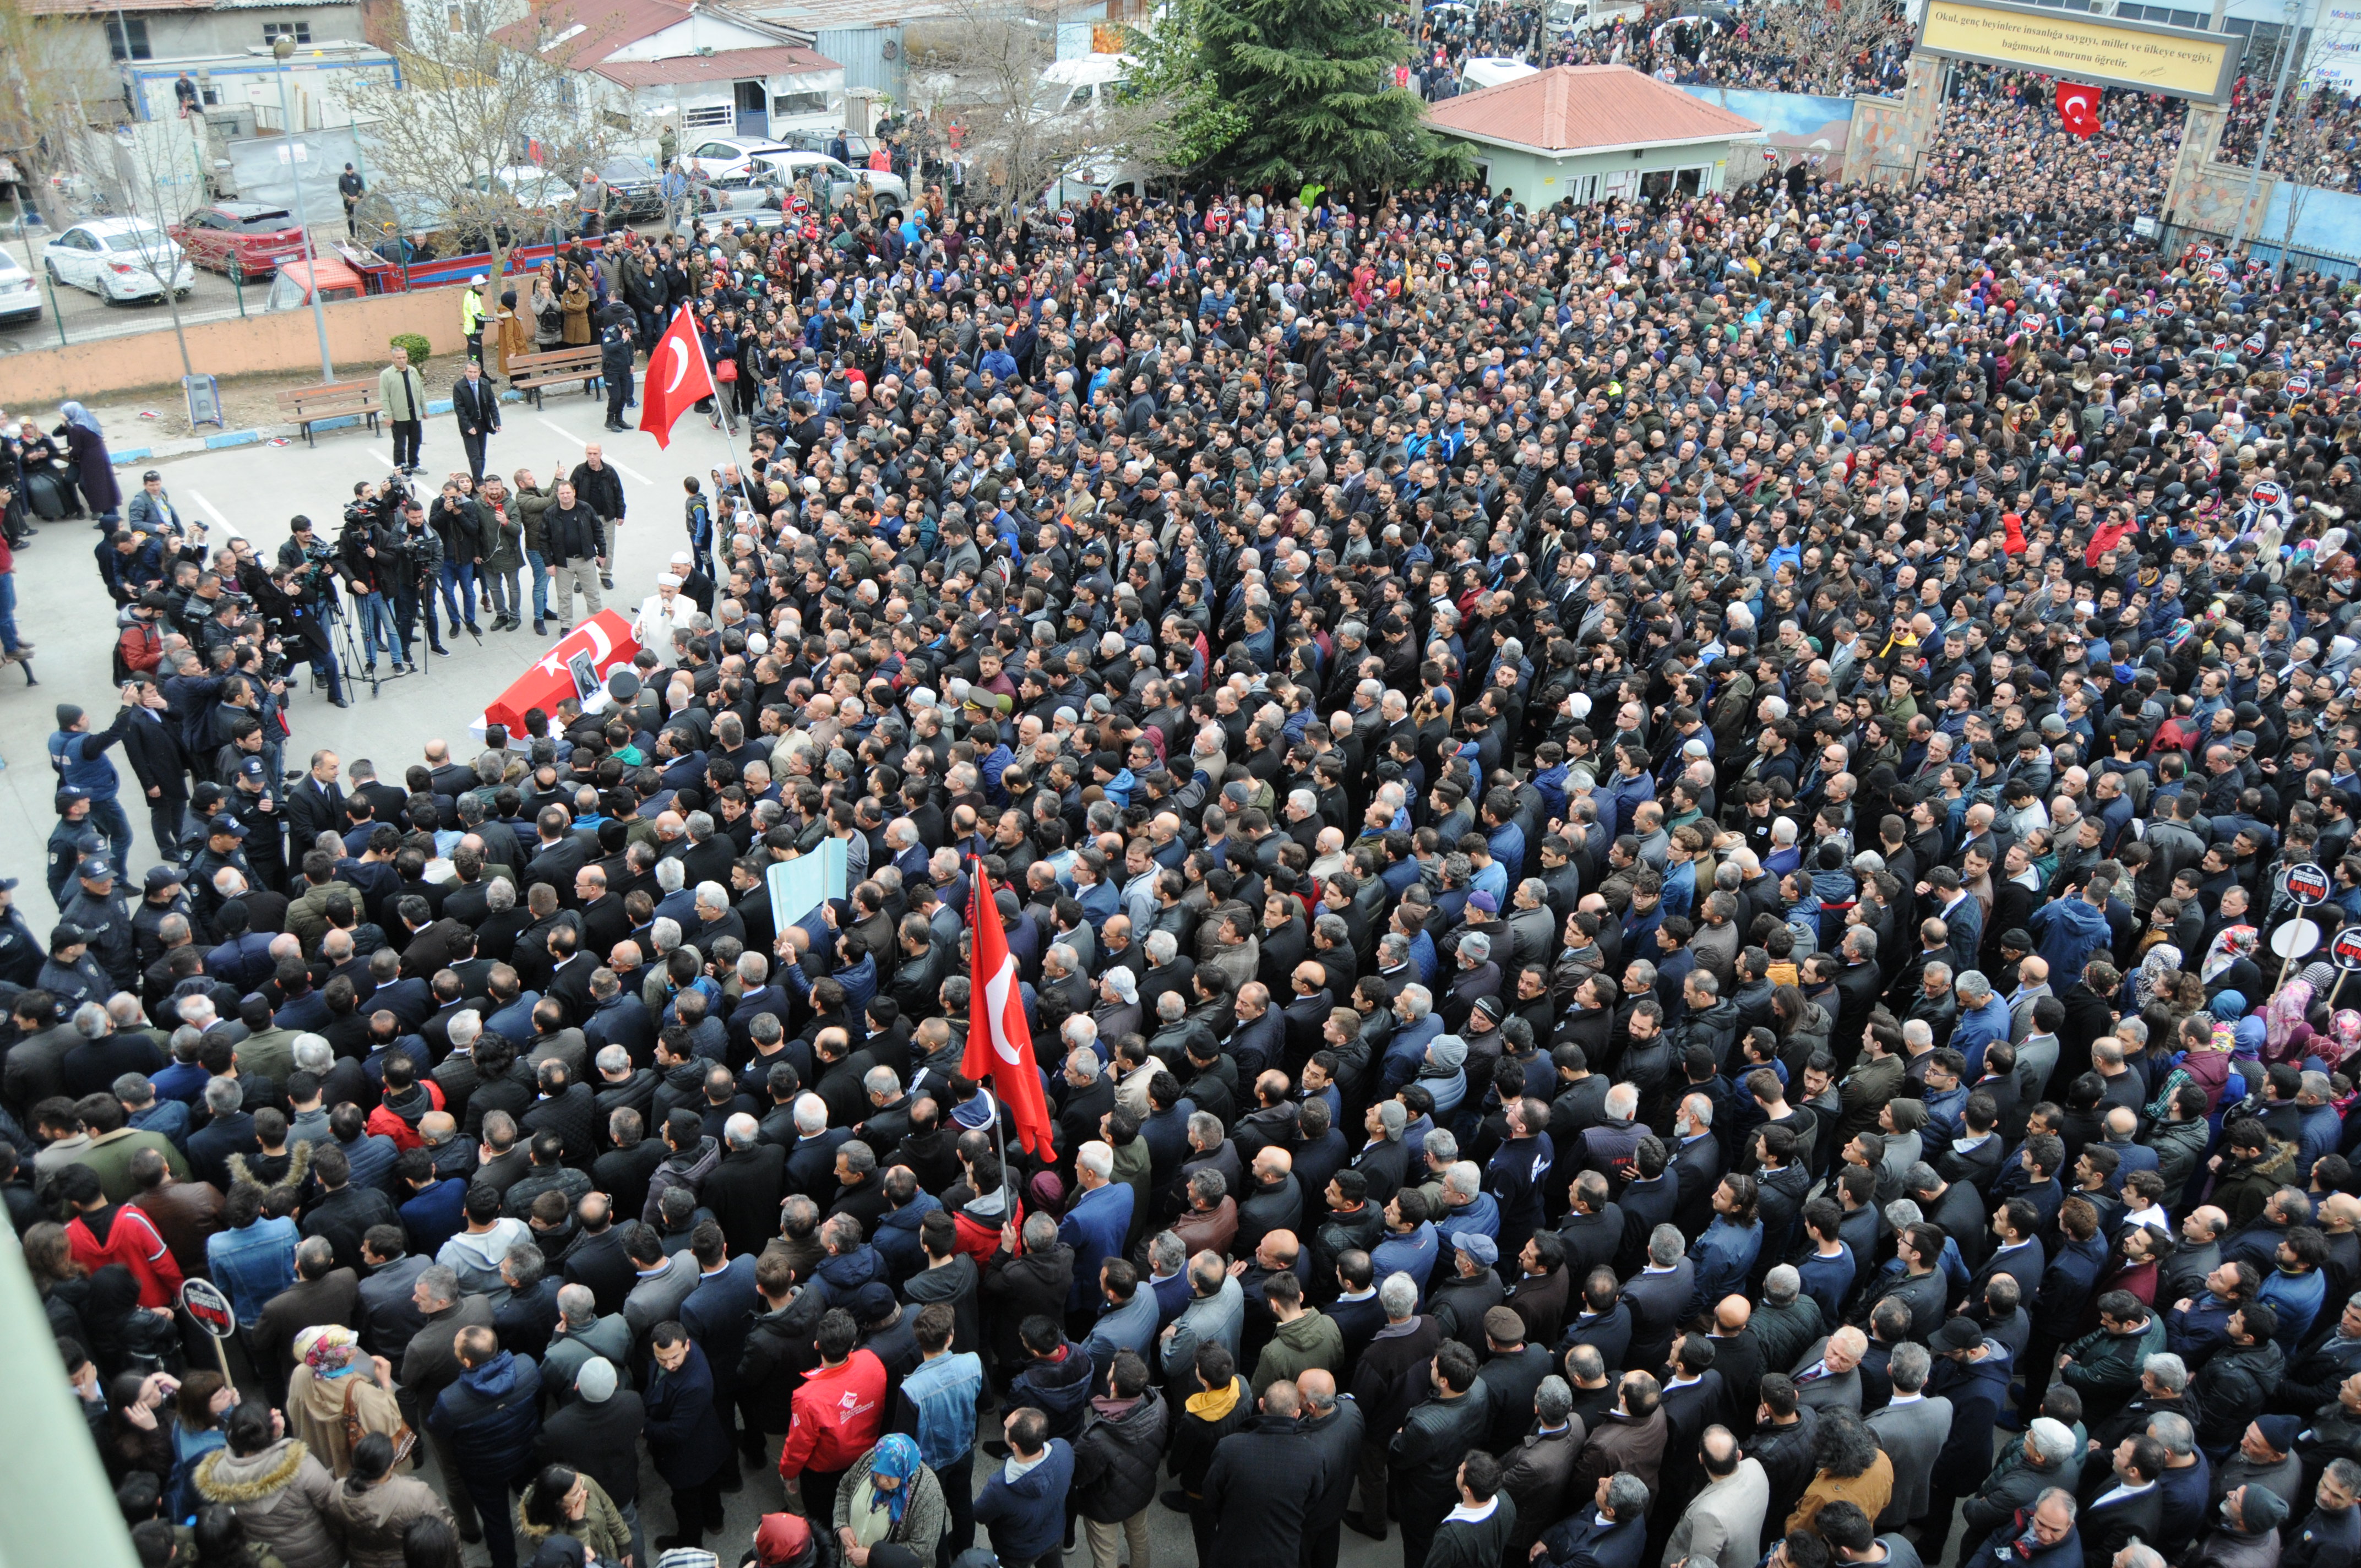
column 615, row 352
column 75, row 836
column 223, row 845
column 257, row 810
column 163, row 893
column 20, row 951
column 81, row 760
column 71, row 975
column 98, row 908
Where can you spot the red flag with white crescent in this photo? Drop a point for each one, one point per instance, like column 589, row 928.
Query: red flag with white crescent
column 677, row 376
column 999, row 1041
column 2079, row 106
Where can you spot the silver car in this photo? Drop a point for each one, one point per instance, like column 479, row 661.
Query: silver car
column 771, row 176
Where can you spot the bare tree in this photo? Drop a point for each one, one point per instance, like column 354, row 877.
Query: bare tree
column 49, row 66
column 979, row 65
column 470, row 108
column 157, row 178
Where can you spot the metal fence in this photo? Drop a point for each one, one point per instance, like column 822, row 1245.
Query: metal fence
column 2178, row 237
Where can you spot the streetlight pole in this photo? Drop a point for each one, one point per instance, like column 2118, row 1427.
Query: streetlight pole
column 284, row 49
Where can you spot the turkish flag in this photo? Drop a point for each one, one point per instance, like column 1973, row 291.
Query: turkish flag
column 677, row 377
column 999, row 1042
column 2079, row 107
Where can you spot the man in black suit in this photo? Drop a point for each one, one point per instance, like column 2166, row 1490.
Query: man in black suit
column 569, row 977
column 315, row 805
column 385, row 801
column 557, row 855
column 2131, row 1505
column 604, row 923
column 476, row 404
column 1658, row 1296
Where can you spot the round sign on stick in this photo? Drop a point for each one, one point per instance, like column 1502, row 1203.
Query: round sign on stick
column 2294, row 939
column 205, row 1303
column 2346, row 948
column 2306, row 884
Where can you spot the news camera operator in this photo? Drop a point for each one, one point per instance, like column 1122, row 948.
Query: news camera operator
column 300, row 599
column 419, row 566
column 367, row 558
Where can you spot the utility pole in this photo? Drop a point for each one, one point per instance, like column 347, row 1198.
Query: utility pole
column 284, row 49
column 2270, row 122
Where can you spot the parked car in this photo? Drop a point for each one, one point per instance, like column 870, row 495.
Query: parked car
column 117, row 259
column 778, row 171
column 535, row 188
column 240, row 238
column 20, row 291
column 638, row 184
column 719, row 158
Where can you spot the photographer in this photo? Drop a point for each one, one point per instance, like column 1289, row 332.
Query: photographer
column 418, row 567
column 367, row 554
column 463, row 528
column 302, row 598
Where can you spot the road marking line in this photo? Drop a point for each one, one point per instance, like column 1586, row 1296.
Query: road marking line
column 199, row 497
column 627, row 473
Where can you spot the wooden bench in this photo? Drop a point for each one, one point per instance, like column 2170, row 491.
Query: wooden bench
column 336, row 399
column 529, row 372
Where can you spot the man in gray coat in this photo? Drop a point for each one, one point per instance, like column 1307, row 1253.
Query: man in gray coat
column 665, row 1282
column 1215, row 1313
column 1723, row 1523
column 1828, row 1378
column 581, row 1334
column 1911, row 1429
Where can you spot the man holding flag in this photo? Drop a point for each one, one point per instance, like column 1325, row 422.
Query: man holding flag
column 678, row 377
column 999, row 1041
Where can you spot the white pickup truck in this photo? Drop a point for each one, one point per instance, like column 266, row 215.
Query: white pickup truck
column 1564, row 18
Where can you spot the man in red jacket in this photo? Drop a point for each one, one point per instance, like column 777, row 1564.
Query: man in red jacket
column 101, row 1232
column 839, row 1412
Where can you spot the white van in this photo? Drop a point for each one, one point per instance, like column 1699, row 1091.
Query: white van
column 1484, row 71
column 1076, row 87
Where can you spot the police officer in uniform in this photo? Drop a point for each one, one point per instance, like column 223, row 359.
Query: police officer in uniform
column 75, row 836
column 20, row 951
column 71, row 975
column 98, row 908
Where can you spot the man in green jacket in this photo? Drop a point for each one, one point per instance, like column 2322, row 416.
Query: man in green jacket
column 403, row 392
column 2104, row 1366
column 1306, row 1337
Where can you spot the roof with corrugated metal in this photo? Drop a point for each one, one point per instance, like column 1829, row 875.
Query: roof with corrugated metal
column 724, row 65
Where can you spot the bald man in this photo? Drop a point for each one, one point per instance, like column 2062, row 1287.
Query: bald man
column 1738, row 1356
column 1333, row 1429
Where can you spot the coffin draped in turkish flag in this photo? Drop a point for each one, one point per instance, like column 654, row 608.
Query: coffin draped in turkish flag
column 605, row 640
column 2077, row 106
column 677, row 377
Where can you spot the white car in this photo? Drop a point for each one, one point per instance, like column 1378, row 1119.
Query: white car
column 20, row 291
column 782, row 171
column 720, row 158
column 118, row 259
column 532, row 188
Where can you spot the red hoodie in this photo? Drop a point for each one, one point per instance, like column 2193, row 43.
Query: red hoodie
column 131, row 1239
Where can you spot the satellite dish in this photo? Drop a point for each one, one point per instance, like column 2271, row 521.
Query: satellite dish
column 622, row 684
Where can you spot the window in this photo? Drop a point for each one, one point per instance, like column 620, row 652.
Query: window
column 799, row 103
column 459, row 19
column 126, row 39
column 712, row 115
column 300, row 32
column 614, row 121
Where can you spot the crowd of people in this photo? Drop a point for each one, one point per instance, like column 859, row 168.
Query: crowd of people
column 1639, row 846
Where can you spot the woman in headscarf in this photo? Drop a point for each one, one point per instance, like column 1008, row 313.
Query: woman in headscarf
column 94, row 469
column 2155, row 977
column 336, row 1390
column 2287, row 1037
column 784, row 1541
column 2230, row 962
column 889, row 1497
column 2343, row 1039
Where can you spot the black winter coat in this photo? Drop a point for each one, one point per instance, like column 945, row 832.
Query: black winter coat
column 1260, row 1490
column 1116, row 1460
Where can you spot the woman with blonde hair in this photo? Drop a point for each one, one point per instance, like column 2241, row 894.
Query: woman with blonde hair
column 337, row 1394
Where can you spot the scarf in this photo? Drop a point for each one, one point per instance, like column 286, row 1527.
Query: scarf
column 896, row 1458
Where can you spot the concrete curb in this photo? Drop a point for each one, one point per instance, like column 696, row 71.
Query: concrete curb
column 261, row 434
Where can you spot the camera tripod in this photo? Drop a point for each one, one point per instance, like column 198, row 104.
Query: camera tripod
column 348, row 653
